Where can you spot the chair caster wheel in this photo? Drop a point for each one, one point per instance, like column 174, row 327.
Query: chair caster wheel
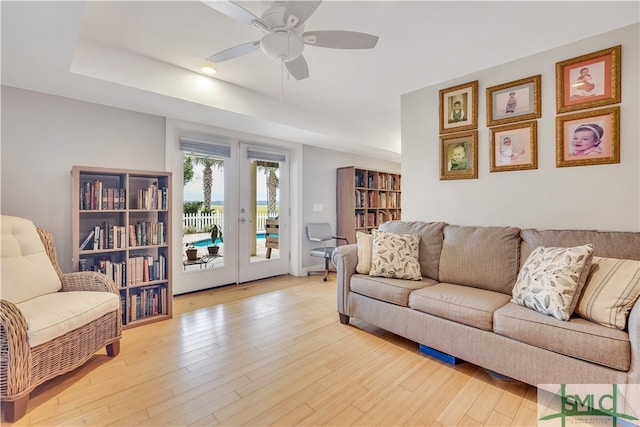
column 324, row 279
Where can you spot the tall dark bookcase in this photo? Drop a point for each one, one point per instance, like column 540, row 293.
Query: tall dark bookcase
column 365, row 199
column 122, row 228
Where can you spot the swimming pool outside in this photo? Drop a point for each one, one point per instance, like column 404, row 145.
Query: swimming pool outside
column 207, row 242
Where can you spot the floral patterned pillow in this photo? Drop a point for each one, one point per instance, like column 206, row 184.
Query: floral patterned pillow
column 395, row 255
column 551, row 279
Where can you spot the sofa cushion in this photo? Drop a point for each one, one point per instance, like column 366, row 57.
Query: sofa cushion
column 26, row 270
column 551, row 279
column 431, row 235
column 395, row 291
column 395, row 255
column 482, row 257
column 365, row 247
column 462, row 304
column 52, row 315
column 611, row 244
column 612, row 288
column 578, row 337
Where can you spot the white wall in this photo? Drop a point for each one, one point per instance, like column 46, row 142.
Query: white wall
column 43, row 136
column 605, row 197
column 319, row 184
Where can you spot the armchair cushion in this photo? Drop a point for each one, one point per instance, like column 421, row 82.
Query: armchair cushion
column 27, row 271
column 52, row 315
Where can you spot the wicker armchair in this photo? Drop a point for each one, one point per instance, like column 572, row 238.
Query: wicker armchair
column 23, row 367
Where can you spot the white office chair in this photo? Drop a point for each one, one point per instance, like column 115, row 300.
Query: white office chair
column 321, row 232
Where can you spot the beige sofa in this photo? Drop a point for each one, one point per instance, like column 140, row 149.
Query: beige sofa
column 50, row 322
column 462, row 304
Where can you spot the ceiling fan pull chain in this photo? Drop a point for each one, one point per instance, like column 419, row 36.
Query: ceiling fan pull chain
column 281, row 81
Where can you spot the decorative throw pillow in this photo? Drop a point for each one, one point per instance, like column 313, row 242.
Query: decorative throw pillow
column 365, row 247
column 395, row 255
column 551, row 279
column 612, row 288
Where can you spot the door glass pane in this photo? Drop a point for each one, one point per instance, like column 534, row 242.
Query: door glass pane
column 265, row 206
column 203, row 212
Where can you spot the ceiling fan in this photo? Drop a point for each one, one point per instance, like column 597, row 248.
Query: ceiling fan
column 284, row 36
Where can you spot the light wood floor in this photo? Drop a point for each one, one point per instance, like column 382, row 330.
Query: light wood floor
column 273, row 352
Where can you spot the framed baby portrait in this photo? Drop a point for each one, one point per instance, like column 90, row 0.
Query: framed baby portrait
column 514, row 101
column 588, row 81
column 459, row 108
column 588, row 138
column 459, row 156
column 514, row 147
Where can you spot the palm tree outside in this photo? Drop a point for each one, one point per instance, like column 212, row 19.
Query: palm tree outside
column 270, row 169
column 208, row 164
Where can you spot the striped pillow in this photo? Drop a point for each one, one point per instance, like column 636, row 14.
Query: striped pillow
column 365, row 243
column 612, row 288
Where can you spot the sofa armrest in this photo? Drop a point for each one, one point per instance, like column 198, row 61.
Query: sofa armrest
column 634, row 337
column 15, row 353
column 345, row 258
column 87, row 281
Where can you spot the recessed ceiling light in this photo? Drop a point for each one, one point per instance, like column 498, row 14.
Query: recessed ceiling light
column 208, row 70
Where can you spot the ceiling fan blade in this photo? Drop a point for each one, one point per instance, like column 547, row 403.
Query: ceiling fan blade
column 298, row 68
column 297, row 12
column 340, row 39
column 234, row 52
column 236, row 12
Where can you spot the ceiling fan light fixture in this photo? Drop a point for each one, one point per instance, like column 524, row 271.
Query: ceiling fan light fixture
column 208, row 70
column 282, row 46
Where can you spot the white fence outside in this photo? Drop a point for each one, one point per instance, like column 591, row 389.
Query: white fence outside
column 203, row 221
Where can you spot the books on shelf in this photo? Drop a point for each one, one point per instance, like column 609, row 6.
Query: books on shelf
column 361, row 199
column 94, row 196
column 144, row 268
column 115, row 270
column 110, row 236
column 145, row 233
column 149, row 301
column 153, row 197
column 86, row 241
column 135, row 271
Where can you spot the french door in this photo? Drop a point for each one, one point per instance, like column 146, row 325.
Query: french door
column 263, row 210
column 248, row 198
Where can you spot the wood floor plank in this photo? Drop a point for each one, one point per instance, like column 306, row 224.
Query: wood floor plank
column 485, row 403
column 383, row 407
column 423, row 394
column 295, row 417
column 273, row 352
column 328, row 412
column 461, row 402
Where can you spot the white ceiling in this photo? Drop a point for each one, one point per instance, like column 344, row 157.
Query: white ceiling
column 146, row 56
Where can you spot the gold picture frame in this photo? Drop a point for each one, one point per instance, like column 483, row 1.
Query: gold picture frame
column 514, row 147
column 515, row 101
column 459, row 156
column 589, row 81
column 459, row 108
column 588, row 138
